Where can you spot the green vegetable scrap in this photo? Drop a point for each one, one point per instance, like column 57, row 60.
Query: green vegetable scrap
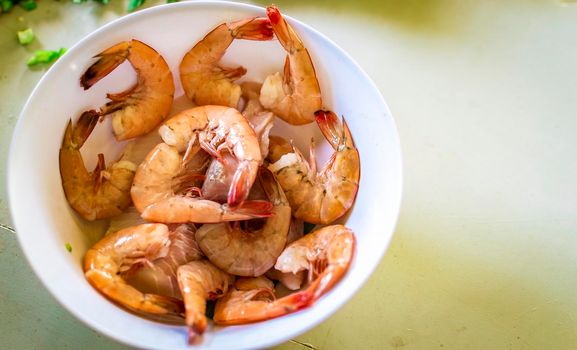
column 171, row 1
column 45, row 56
column 134, row 4
column 28, row 5
column 25, row 36
column 68, row 247
column 6, row 5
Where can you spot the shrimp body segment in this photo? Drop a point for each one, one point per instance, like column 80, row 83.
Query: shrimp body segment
column 323, row 197
column 203, row 79
column 296, row 96
column 154, row 193
column 138, row 110
column 219, row 129
column 246, row 252
column 200, row 281
column 118, row 253
column 100, row 194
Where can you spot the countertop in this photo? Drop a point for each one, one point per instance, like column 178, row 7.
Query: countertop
column 484, row 94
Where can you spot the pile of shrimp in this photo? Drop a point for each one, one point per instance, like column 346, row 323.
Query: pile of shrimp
column 215, row 211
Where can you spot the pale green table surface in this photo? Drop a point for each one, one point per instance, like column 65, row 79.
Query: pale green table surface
column 484, row 94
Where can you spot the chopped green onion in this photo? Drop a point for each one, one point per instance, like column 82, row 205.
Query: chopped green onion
column 171, row 1
column 134, row 4
column 308, row 227
column 45, row 56
column 28, row 5
column 78, row 1
column 105, row 2
column 25, row 36
column 68, row 247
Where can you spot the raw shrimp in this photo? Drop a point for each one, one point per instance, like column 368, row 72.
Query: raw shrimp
column 100, row 194
column 203, row 79
column 118, row 253
column 200, row 281
column 159, row 277
column 295, row 96
column 246, row 252
column 155, row 187
column 138, row 110
column 219, row 129
column 321, row 198
column 326, row 253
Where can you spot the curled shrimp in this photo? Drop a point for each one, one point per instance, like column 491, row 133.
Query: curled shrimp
column 138, row 110
column 219, row 129
column 200, row 281
column 159, row 276
column 118, row 253
column 220, row 173
column 321, row 198
column 100, row 194
column 245, row 305
column 295, row 96
column 155, row 194
column 203, row 79
column 325, row 253
column 246, row 252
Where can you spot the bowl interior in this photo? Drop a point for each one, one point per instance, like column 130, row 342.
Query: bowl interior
column 45, row 222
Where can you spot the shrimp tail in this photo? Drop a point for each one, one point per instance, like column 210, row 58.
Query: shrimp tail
column 75, row 137
column 252, row 29
column 331, row 128
column 285, row 34
column 195, row 333
column 107, row 61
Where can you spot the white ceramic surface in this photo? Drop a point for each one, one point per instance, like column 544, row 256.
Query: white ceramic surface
column 45, row 223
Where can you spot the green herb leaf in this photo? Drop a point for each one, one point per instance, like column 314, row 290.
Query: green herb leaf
column 134, row 4
column 45, row 56
column 68, row 247
column 25, row 36
column 7, row 5
column 28, row 5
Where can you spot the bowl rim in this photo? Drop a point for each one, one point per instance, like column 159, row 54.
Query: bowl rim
column 369, row 270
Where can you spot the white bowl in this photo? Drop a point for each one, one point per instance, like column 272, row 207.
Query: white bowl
column 45, row 222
